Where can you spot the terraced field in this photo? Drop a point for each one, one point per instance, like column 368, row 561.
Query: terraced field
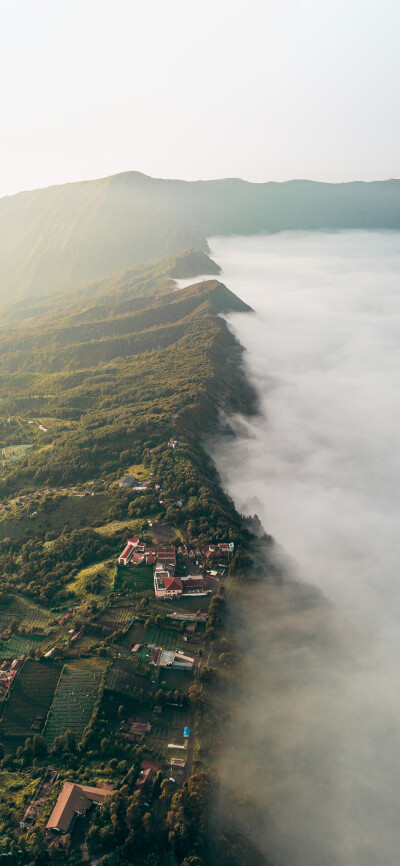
column 75, row 698
column 18, row 645
column 30, row 698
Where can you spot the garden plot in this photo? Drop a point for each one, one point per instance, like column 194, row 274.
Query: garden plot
column 30, row 698
column 75, row 698
column 18, row 645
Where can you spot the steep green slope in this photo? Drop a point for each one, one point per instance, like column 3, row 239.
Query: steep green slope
column 55, row 238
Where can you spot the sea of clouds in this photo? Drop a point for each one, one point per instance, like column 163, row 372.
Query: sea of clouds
column 320, row 466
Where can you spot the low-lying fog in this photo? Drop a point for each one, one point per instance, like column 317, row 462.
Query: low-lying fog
column 318, row 738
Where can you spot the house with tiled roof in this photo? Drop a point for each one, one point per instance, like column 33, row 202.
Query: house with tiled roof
column 166, row 585
column 73, row 801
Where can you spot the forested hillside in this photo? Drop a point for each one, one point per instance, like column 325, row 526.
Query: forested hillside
column 55, row 238
column 107, row 394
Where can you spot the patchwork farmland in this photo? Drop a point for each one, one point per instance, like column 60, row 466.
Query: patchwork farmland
column 30, row 698
column 75, row 698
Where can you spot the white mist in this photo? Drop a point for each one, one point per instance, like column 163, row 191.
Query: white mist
column 321, row 467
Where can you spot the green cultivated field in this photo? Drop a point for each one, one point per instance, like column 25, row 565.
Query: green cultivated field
column 18, row 645
column 176, row 679
column 164, row 637
column 75, row 698
column 135, row 578
column 117, row 616
column 30, row 698
column 35, row 618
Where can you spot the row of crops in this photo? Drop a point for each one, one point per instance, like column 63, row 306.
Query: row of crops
column 164, row 637
column 117, row 616
column 75, row 698
column 18, row 645
column 137, row 579
column 30, row 698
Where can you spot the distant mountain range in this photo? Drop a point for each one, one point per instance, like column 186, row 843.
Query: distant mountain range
column 54, row 239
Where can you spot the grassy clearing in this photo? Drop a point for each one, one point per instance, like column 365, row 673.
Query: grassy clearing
column 71, row 511
column 30, row 698
column 106, row 570
column 74, row 698
column 139, row 471
column 117, row 526
column 18, row 645
column 13, row 453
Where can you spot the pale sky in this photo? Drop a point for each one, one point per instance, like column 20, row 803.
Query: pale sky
column 259, row 89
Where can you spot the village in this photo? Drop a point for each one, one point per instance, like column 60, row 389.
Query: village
column 170, row 644
column 182, row 570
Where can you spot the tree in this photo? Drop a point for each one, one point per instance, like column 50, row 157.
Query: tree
column 39, row 746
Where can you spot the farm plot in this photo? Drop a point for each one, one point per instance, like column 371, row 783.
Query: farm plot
column 136, row 634
column 6, row 619
column 18, row 645
column 176, row 679
column 35, row 618
column 170, row 723
column 128, row 683
column 137, row 579
column 167, row 638
column 30, row 698
column 75, row 698
column 118, row 616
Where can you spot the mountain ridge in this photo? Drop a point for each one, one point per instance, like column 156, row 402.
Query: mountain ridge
column 55, row 238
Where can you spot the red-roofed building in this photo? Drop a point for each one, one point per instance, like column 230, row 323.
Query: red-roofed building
column 166, row 585
column 126, row 554
column 137, row 559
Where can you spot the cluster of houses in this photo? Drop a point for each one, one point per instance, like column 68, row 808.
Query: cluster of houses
column 167, row 584
column 129, row 482
column 9, row 670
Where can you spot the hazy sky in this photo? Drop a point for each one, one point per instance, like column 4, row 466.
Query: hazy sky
column 263, row 89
